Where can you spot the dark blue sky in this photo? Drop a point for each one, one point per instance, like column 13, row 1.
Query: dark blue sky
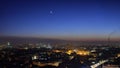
column 62, row 19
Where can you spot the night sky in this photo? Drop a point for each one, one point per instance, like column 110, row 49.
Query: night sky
column 60, row 19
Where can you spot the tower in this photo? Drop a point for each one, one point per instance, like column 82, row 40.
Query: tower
column 9, row 45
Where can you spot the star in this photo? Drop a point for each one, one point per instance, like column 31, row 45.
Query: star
column 51, row 12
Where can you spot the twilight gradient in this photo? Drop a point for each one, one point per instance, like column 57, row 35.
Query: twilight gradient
column 61, row 19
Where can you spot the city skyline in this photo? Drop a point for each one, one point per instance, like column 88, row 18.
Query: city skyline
column 64, row 19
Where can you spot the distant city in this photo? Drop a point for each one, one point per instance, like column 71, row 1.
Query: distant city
column 59, row 54
column 59, row 33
